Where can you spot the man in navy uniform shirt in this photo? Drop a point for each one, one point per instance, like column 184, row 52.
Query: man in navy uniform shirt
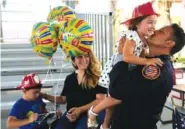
column 142, row 92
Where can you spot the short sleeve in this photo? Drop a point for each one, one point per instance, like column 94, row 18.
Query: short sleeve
column 16, row 110
column 65, row 89
column 130, row 35
column 133, row 35
column 100, row 90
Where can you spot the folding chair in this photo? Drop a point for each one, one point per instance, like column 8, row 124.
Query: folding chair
column 178, row 118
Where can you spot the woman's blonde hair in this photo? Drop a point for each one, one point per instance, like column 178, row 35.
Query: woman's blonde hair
column 92, row 73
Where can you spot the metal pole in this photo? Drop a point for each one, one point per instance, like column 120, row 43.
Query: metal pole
column 110, row 34
column 1, row 27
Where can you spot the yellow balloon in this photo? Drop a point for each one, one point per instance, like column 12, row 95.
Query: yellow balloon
column 44, row 39
column 75, row 37
column 58, row 15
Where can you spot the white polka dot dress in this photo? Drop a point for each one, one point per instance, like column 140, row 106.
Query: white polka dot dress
column 130, row 35
column 104, row 78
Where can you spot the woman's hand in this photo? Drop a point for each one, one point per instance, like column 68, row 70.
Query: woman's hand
column 74, row 113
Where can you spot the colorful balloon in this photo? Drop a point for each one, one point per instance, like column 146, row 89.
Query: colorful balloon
column 58, row 15
column 44, row 40
column 75, row 37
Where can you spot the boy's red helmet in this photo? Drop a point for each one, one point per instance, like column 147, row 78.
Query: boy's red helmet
column 30, row 81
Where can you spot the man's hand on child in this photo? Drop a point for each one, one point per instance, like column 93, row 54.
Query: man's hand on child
column 154, row 61
column 33, row 117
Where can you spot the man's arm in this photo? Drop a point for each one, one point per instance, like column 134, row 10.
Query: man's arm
column 106, row 103
column 100, row 97
column 108, row 116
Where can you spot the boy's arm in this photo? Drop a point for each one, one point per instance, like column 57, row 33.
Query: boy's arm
column 13, row 122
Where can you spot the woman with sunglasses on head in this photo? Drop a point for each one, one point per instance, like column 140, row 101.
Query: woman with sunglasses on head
column 80, row 92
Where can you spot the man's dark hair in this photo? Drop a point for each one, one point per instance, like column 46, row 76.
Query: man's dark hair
column 135, row 22
column 178, row 37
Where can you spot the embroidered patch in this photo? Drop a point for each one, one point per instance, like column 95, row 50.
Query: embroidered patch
column 151, row 72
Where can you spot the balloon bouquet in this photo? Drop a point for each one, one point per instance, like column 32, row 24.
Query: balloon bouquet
column 74, row 36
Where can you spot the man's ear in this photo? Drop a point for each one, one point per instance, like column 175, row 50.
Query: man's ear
column 170, row 43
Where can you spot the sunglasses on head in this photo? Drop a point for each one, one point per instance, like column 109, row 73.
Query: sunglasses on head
column 81, row 56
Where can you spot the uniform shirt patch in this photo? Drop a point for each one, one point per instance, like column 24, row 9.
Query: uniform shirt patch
column 151, row 72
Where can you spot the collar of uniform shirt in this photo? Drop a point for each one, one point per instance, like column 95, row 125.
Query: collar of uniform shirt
column 162, row 57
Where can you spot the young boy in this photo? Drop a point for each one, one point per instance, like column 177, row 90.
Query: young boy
column 26, row 110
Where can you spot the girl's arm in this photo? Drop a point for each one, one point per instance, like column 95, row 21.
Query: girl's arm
column 51, row 98
column 129, row 57
column 128, row 54
column 121, row 45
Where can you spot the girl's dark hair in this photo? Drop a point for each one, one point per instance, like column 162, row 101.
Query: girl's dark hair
column 135, row 22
